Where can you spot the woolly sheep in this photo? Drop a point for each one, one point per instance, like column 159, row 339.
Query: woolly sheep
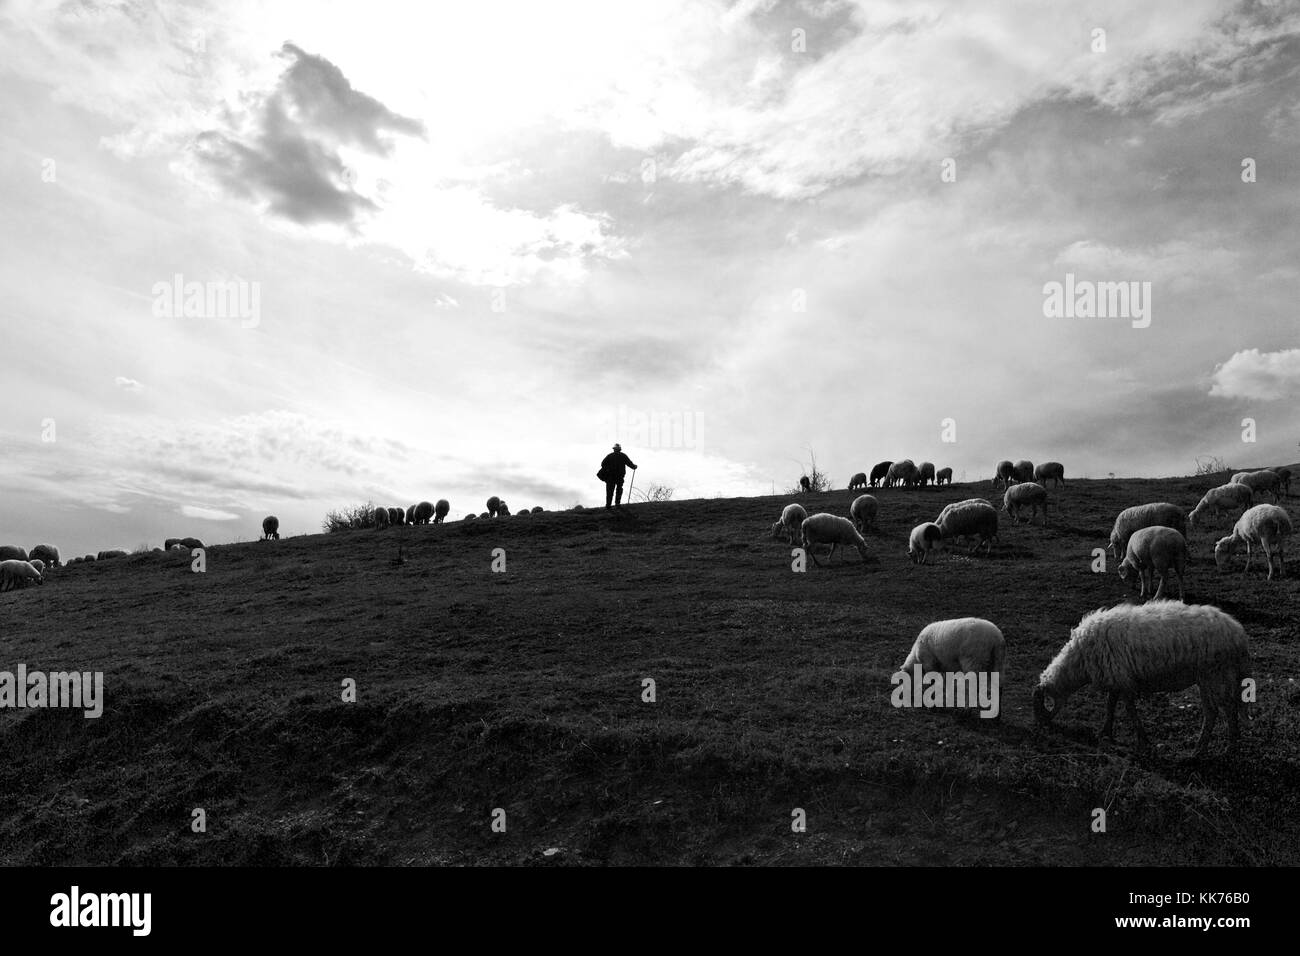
column 485, row 515
column 1160, row 513
column 16, row 573
column 579, row 508
column 1050, row 471
column 792, row 516
column 271, row 527
column 38, row 564
column 12, row 552
column 167, row 544
column 863, row 512
column 1139, row 649
column 110, row 553
column 957, row 504
column 858, row 481
column 192, row 542
column 1025, row 495
column 422, row 512
column 904, row 472
column 503, row 510
column 492, row 504
column 1261, row 482
column 943, row 476
column 833, row 530
column 47, row 553
column 1218, row 500
column 973, row 517
column 176, row 546
column 1004, row 472
column 1153, row 552
column 1284, row 479
column 89, row 557
column 1023, row 470
column 537, row 509
column 382, row 518
column 879, row 472
column 523, row 513
column 960, row 645
column 1267, row 526
column 925, row 472
column 805, row 484
column 395, row 516
column 923, row 540
column 410, row 514
column 440, row 510
column 469, row 517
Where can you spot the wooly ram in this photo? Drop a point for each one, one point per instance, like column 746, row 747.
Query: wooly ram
column 1216, row 501
column 833, row 530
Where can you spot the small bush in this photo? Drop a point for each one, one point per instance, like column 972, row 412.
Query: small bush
column 347, row 519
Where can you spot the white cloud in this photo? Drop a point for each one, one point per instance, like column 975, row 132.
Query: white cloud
column 1261, row 376
column 128, row 384
column 207, row 514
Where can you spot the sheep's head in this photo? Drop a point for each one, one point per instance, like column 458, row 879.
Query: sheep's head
column 1223, row 549
column 1046, row 704
column 1127, row 569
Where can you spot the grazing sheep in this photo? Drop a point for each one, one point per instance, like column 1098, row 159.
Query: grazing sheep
column 960, row 645
column 167, row 544
column 396, row 516
column 503, row 510
column 792, row 516
column 943, row 476
column 863, row 512
column 1004, row 472
column 47, row 553
column 1025, row 495
column 492, row 504
column 578, row 508
column 410, row 514
column 1135, row 650
column 924, row 539
column 1050, row 471
column 271, row 527
column 38, row 564
column 537, row 509
column 525, row 513
column 858, row 481
column 904, row 472
column 485, row 515
column 973, row 517
column 1218, row 500
column 1284, row 478
column 1265, row 525
column 469, row 517
column 1261, row 482
column 1153, row 552
column 12, row 552
column 1157, row 513
column 440, row 510
column 833, row 530
column 16, row 573
column 89, row 557
column 805, row 484
column 110, row 553
column 1023, row 470
column 177, row 546
column 191, row 542
column 422, row 512
column 76, row 560
column 958, row 504
column 382, row 518
column 926, row 473
column 879, row 472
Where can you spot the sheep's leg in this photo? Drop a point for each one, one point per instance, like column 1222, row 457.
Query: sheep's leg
column 1130, row 704
column 1249, row 556
column 1210, row 716
column 1108, row 728
column 1160, row 591
column 1179, row 572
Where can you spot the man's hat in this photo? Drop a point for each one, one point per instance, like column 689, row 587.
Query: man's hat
column 618, row 447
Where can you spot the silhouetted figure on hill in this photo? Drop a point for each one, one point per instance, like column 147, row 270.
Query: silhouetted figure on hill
column 613, row 468
column 805, row 484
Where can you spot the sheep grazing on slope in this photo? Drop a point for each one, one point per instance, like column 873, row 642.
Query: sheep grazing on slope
column 410, row 514
column 923, row 540
column 1025, row 495
column 110, row 553
column 440, row 510
column 503, row 510
column 805, row 484
column 1157, row 513
column 492, row 504
column 1153, row 552
column 89, row 557
column 191, row 542
column 858, row 481
column 1004, row 472
column 788, row 524
column 879, row 472
column 422, row 512
column 469, row 517
column 973, row 517
column 1284, row 479
column 1023, row 470
column 925, row 473
column 902, row 472
column 1267, row 526
column 1216, row 501
column 16, row 573
column 537, row 509
column 1050, row 471
column 960, row 645
column 1261, row 482
column 170, row 543
column 38, row 564
column 833, row 530
column 485, row 515
column 382, row 518
column 943, row 476
column 271, row 527
column 12, row 552
column 863, row 512
column 47, row 553
column 1162, row 647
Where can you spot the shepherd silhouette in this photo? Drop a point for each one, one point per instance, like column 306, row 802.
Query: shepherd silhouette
column 613, row 468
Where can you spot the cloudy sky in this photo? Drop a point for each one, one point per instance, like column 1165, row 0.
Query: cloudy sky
column 478, row 242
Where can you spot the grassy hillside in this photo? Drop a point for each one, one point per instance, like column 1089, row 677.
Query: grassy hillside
column 522, row 690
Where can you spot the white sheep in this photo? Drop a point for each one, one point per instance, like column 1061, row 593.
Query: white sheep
column 1050, row 471
column 1162, row 647
column 791, row 519
column 1153, row 552
column 971, row 517
column 904, row 472
column 943, row 476
column 47, row 553
column 858, row 481
column 879, row 472
column 1004, row 472
column 12, row 552
column 1025, row 495
column 833, row 530
column 1261, row 482
column 16, row 573
column 1218, row 500
column 1265, row 525
column 923, row 540
column 1023, row 470
column 1133, row 519
column 271, row 526
column 441, row 510
column 960, row 645
column 925, row 473
column 863, row 511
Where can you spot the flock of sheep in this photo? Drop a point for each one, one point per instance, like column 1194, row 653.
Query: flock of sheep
column 1126, row 651
column 422, row 513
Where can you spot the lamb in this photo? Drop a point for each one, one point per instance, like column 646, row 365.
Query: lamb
column 1218, row 500
column 1139, row 649
column 1004, row 472
column 1260, row 482
column 271, row 527
column 879, row 472
column 805, row 484
column 960, row 645
column 1265, row 525
column 924, row 539
column 1050, row 471
column 925, row 471
column 863, row 512
column 1025, row 495
column 833, row 530
column 792, row 516
column 1154, row 551
column 492, row 504
column 382, row 518
column 904, row 471
column 111, row 553
column 943, row 476
column 12, row 552
column 973, row 517
column 422, row 512
column 440, row 510
column 858, row 481
column 1023, row 470
column 47, row 553
column 1160, row 513
column 17, row 573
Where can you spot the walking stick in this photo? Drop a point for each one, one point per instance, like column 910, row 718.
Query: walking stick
column 629, row 486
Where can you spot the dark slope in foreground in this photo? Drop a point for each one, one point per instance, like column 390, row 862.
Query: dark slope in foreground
column 523, row 691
